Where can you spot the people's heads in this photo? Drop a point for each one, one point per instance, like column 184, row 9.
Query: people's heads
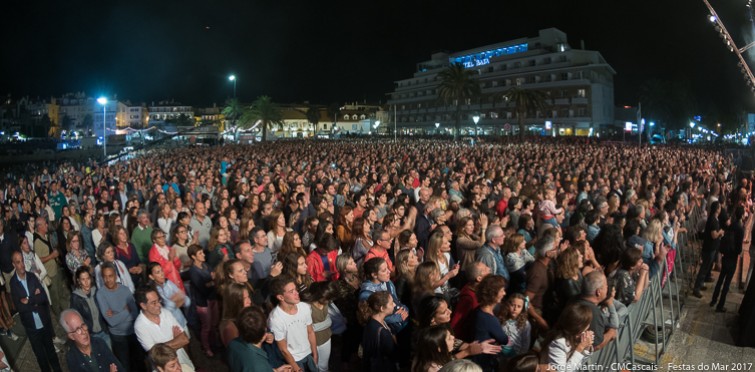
column 312, row 223
column 426, row 275
column 461, row 365
column 18, row 263
column 407, row 239
column 477, row 270
column 196, row 253
column 155, row 273
column 158, row 237
column 291, row 242
column 406, row 261
column 23, row 243
column 514, row 243
column 495, row 236
column 236, row 296
column 515, row 305
column 75, row 327
column 595, row 285
column 234, row 271
column 573, row 321
column 143, row 218
column 715, row 208
column 106, row 251
column 491, row 290
column 433, row 310
column 294, row 264
column 569, row 263
column 380, row 303
column 259, row 236
column 376, row 269
column 346, row 216
column 164, row 358
column 523, row 363
column 83, row 278
column 40, row 225
column 244, row 252
column 148, row 300
column 345, row 264
column 252, row 324
column 321, row 292
column 545, row 247
column 433, row 346
column 630, row 259
column 283, row 290
column 109, row 276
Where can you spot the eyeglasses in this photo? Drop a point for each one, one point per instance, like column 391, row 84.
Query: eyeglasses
column 160, row 237
column 80, row 330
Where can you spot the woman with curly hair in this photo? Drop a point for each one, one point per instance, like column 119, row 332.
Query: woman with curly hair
column 515, row 323
column 490, row 292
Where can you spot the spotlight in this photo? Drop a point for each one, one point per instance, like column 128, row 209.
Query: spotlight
column 712, row 18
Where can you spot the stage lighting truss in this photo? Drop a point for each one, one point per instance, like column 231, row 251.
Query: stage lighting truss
column 718, row 25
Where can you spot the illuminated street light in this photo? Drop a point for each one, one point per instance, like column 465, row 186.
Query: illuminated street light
column 233, row 79
column 475, row 119
column 103, row 102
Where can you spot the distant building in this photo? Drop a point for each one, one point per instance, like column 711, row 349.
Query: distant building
column 170, row 111
column 131, row 116
column 73, row 111
column 579, row 84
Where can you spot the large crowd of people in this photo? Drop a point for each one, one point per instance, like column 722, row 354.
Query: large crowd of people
column 420, row 255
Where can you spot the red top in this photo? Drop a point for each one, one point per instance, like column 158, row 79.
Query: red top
column 170, row 269
column 463, row 312
column 379, row 252
column 316, row 267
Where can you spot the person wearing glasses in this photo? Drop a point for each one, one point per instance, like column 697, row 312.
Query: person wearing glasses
column 30, row 299
column 88, row 353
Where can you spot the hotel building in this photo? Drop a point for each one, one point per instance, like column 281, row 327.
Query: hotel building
column 578, row 85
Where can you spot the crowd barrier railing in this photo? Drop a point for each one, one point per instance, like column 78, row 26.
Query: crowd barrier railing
column 660, row 306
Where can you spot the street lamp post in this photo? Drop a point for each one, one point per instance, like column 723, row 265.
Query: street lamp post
column 233, row 79
column 103, row 102
column 691, row 126
column 476, row 119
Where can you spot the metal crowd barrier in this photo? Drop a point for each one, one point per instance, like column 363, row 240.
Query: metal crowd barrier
column 651, row 310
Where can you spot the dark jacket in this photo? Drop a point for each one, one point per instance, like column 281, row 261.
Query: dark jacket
column 78, row 362
column 7, row 246
column 38, row 301
column 79, row 303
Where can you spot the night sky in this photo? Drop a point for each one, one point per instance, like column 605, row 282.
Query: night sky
column 334, row 51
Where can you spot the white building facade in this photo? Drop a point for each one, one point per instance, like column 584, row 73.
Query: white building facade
column 578, row 85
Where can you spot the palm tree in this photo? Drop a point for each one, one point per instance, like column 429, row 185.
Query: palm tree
column 263, row 109
column 526, row 101
column 233, row 112
column 313, row 116
column 457, row 86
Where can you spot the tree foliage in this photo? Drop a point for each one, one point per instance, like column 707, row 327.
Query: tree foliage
column 457, row 87
column 527, row 103
column 262, row 109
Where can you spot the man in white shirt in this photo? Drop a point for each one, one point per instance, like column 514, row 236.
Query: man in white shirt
column 154, row 326
column 291, row 323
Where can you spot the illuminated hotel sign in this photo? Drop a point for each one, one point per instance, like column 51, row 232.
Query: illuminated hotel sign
column 483, row 58
column 476, row 62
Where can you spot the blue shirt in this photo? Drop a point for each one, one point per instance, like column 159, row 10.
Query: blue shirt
column 37, row 320
column 167, row 291
column 493, row 259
